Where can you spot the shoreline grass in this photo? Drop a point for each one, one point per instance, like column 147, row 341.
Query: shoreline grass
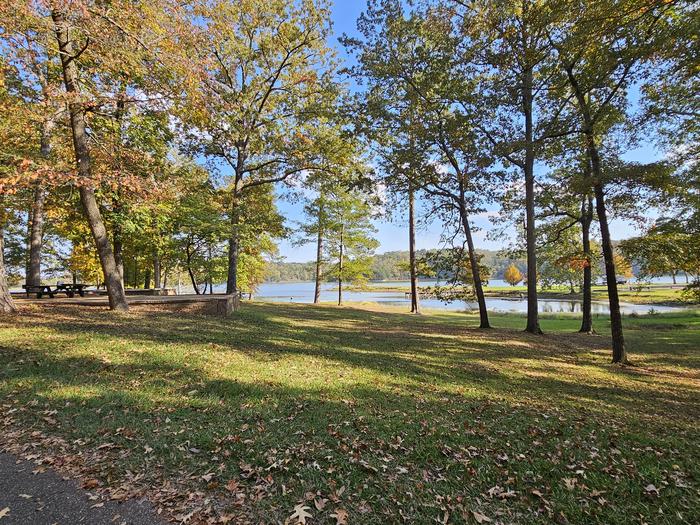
column 367, row 410
column 628, row 293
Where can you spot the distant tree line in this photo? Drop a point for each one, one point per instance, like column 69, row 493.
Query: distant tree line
column 387, row 266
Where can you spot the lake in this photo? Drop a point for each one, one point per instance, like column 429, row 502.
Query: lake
column 303, row 292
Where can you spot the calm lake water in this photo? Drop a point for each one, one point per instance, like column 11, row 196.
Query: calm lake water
column 303, row 292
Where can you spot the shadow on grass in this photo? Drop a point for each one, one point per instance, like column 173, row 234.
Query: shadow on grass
column 429, row 356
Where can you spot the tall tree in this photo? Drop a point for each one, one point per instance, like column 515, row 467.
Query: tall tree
column 600, row 47
column 69, row 54
column 315, row 229
column 459, row 180
column 265, row 73
column 566, row 203
column 7, row 305
column 408, row 63
column 31, row 54
column 349, row 237
column 506, row 47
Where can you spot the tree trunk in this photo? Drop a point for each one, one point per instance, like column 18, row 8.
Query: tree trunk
column 36, row 233
column 194, row 281
column 147, row 279
column 586, row 219
column 618, row 340
column 533, row 322
column 233, row 247
column 115, row 288
column 36, row 237
column 319, row 262
column 474, row 262
column 210, row 277
column 673, row 276
column 118, row 251
column 7, row 305
column 415, row 299
column 156, row 271
column 136, row 273
column 191, row 273
column 340, row 266
column 118, row 231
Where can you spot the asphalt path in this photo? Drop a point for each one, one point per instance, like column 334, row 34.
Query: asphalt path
column 46, row 498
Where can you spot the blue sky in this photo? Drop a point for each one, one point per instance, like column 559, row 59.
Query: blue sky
column 394, row 236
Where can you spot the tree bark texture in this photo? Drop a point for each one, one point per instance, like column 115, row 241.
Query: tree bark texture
column 415, row 299
column 7, row 305
column 473, row 261
column 319, row 262
column 340, row 265
column 586, row 220
column 115, row 288
column 533, row 322
column 233, row 249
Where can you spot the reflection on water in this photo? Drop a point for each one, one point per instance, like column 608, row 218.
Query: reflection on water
column 303, row 293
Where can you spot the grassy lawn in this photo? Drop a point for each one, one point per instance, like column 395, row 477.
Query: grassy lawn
column 660, row 296
column 377, row 414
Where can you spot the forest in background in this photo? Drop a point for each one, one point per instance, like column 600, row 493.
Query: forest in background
column 388, row 266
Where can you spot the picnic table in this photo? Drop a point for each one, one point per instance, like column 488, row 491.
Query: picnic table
column 69, row 289
column 39, row 290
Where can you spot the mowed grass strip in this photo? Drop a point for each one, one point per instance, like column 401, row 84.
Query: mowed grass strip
column 373, row 412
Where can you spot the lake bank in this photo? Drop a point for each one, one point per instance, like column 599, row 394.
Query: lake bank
column 499, row 298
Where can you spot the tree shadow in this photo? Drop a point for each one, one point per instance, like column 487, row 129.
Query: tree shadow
column 412, row 354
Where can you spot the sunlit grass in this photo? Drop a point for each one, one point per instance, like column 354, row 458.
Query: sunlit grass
column 413, row 415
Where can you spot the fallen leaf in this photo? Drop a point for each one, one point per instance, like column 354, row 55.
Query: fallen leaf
column 91, row 484
column 480, row 518
column 300, row 514
column 651, row 489
column 4, row 512
column 341, row 517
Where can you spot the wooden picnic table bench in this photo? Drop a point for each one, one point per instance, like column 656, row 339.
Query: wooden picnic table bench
column 69, row 289
column 39, row 290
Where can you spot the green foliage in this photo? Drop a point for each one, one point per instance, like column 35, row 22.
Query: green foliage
column 389, row 266
column 664, row 251
column 453, row 268
column 348, row 233
column 561, row 259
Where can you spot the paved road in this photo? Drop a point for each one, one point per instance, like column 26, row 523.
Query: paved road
column 47, row 499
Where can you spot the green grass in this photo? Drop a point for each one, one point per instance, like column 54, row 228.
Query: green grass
column 387, row 416
column 658, row 296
